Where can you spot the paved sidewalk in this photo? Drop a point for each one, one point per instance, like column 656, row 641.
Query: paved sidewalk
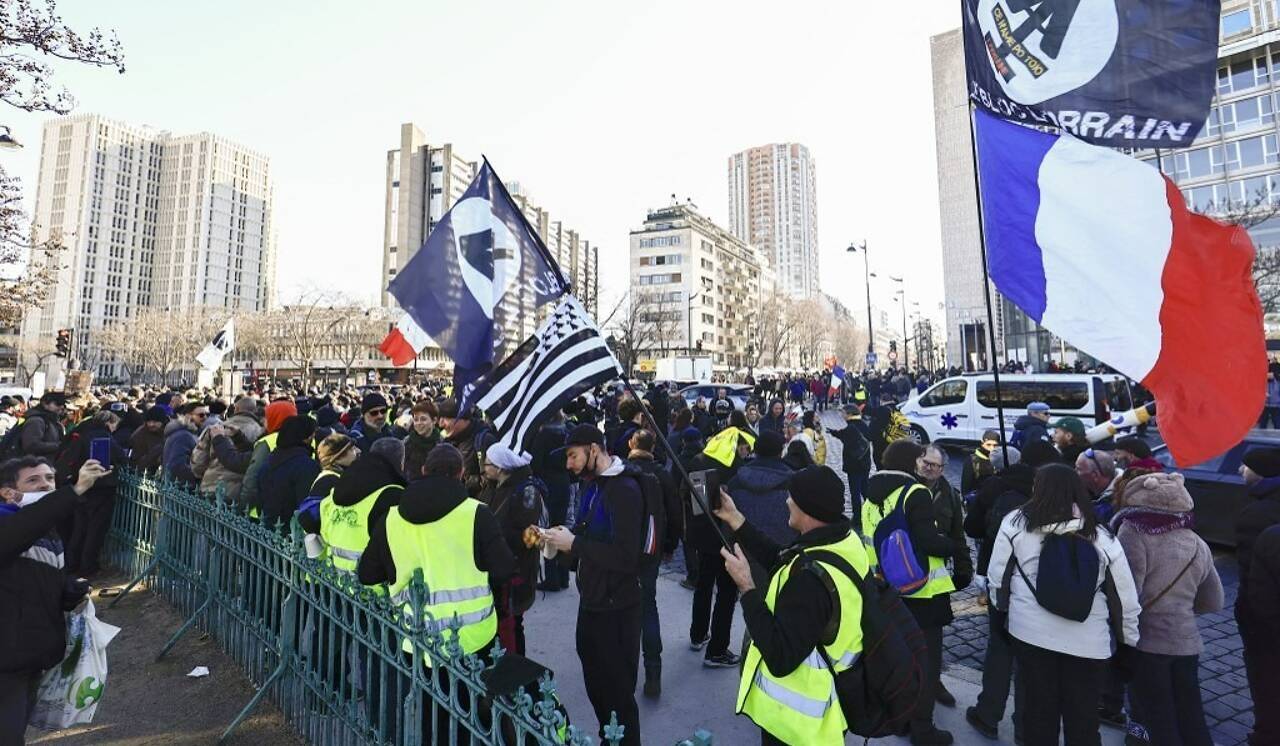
column 694, row 697
column 1224, row 689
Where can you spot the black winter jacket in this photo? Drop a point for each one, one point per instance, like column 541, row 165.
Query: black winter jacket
column 759, row 489
column 855, row 439
column 1258, row 516
column 1264, row 584
column 33, row 592
column 416, row 448
column 284, row 483
column 608, row 542
column 42, row 433
column 997, row 497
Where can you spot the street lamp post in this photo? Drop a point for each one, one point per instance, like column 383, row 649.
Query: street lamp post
column 902, row 295
column 866, row 275
column 688, row 321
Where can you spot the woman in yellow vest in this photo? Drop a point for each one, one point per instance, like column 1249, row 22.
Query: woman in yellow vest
column 931, row 603
column 787, row 688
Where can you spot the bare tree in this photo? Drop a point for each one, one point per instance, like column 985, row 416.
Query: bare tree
column 35, row 350
column 775, row 330
column 359, row 330
column 642, row 323
column 30, row 33
column 1249, row 214
column 307, row 325
column 810, row 332
column 157, row 343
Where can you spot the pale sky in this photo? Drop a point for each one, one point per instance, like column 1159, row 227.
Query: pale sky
column 600, row 109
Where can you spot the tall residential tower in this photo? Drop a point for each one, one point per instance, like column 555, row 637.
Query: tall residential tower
column 150, row 220
column 773, row 206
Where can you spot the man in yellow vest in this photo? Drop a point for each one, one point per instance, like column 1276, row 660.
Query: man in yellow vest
column 787, row 687
column 457, row 544
column 365, row 492
column 930, row 604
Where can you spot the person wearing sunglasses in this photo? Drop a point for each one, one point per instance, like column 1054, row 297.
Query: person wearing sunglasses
column 1097, row 469
column 373, row 422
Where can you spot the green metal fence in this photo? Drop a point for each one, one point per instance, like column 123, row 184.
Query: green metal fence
column 325, row 649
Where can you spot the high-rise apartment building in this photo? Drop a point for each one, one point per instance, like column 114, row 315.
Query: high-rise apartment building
column 149, row 219
column 424, row 180
column 1232, row 168
column 773, row 205
column 698, row 288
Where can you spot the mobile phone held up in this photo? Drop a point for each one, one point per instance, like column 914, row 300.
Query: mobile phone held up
column 100, row 451
column 707, row 483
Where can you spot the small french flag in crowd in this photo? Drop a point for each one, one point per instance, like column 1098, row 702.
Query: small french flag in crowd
column 404, row 341
column 837, row 379
column 1101, row 250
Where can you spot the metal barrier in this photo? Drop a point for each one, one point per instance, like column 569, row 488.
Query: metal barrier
column 327, row 650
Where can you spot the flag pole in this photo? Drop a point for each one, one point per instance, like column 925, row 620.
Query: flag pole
column 675, row 461
column 986, row 282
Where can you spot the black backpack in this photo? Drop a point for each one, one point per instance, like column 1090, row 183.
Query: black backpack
column 655, row 513
column 11, row 443
column 881, row 692
column 1066, row 579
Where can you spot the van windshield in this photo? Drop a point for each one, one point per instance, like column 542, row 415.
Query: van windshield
column 1018, row 394
column 1118, row 396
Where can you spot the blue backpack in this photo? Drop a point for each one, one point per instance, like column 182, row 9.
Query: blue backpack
column 900, row 565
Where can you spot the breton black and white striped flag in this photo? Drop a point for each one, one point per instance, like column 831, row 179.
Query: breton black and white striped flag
column 566, row 358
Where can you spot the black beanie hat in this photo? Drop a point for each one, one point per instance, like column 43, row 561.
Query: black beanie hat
column 584, row 435
column 769, row 445
column 818, row 492
column 1265, row 462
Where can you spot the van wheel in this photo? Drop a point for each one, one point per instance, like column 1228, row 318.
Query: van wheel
column 919, row 436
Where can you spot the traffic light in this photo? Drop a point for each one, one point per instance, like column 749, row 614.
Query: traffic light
column 64, row 342
column 893, row 345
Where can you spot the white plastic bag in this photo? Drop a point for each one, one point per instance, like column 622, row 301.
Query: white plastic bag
column 69, row 692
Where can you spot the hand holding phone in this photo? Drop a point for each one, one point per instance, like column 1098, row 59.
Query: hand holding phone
column 100, row 451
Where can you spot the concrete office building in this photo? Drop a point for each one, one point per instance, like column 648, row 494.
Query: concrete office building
column 773, row 205
column 150, row 220
column 423, row 181
column 699, row 286
column 1233, row 165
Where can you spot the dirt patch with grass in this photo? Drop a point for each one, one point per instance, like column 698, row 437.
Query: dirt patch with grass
column 154, row 702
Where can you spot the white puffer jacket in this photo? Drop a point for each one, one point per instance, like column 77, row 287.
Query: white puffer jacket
column 1035, row 625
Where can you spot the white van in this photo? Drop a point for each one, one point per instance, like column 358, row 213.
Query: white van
column 959, row 410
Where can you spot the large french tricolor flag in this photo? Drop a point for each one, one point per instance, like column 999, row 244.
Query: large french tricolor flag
column 1100, row 249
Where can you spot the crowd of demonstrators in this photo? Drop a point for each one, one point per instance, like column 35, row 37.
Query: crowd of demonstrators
column 388, row 482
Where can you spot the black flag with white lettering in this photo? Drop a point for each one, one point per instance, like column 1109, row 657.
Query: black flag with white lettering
column 1125, row 73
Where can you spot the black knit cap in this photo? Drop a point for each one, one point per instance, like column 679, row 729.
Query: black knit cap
column 584, row 435
column 1265, row 462
column 818, row 492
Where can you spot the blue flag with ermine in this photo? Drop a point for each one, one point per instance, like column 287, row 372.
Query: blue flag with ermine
column 481, row 263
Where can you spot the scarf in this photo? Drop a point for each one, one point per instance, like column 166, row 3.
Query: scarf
column 1152, row 521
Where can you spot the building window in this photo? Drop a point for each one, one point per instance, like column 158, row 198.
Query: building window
column 1237, row 22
